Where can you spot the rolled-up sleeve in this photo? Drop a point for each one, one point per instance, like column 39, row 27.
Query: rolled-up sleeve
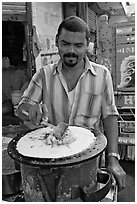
column 108, row 100
column 33, row 94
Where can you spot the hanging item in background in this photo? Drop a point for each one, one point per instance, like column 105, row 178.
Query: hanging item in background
column 5, row 62
column 16, row 97
column 36, row 43
column 127, row 70
column 24, row 49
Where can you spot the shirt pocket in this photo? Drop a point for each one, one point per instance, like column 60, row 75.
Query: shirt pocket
column 90, row 105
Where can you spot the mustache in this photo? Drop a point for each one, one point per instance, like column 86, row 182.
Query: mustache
column 69, row 54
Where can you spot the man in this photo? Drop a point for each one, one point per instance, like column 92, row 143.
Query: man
column 75, row 91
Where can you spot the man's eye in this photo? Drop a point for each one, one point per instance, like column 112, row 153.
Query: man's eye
column 63, row 43
column 79, row 45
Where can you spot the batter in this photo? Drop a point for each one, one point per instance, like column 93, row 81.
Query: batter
column 41, row 143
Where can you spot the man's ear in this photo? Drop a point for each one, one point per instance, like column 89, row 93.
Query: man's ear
column 56, row 40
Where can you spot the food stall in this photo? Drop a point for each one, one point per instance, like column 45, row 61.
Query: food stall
column 17, row 186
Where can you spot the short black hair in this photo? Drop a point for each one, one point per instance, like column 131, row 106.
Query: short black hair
column 74, row 24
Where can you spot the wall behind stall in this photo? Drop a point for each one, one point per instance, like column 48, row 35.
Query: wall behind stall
column 46, row 16
column 106, row 41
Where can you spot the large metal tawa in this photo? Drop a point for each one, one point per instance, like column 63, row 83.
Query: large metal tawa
column 90, row 153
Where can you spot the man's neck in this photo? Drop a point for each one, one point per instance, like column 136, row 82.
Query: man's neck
column 77, row 68
column 72, row 75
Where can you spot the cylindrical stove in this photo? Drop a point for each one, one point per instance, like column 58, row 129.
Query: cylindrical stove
column 63, row 179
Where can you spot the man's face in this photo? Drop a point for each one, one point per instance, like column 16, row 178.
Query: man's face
column 72, row 47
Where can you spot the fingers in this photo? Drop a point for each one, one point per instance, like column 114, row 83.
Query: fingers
column 121, row 181
column 119, row 175
column 35, row 114
column 44, row 110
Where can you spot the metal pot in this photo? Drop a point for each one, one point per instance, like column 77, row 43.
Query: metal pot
column 11, row 183
column 11, row 178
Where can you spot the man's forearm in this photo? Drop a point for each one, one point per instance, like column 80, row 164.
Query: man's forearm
column 110, row 125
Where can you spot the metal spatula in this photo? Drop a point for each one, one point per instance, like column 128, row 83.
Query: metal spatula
column 59, row 130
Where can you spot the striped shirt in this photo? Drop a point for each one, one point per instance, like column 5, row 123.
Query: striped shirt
column 93, row 97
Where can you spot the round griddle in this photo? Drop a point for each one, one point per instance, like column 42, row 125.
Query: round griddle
column 90, row 153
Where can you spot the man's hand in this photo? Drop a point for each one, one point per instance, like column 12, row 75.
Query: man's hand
column 37, row 112
column 118, row 172
column 113, row 166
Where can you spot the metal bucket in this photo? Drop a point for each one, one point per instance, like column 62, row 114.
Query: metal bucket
column 11, row 183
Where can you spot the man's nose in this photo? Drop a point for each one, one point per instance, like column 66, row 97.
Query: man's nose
column 71, row 48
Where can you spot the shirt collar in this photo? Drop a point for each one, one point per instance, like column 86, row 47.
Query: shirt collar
column 57, row 67
column 88, row 66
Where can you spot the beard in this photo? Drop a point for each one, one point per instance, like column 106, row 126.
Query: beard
column 70, row 59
